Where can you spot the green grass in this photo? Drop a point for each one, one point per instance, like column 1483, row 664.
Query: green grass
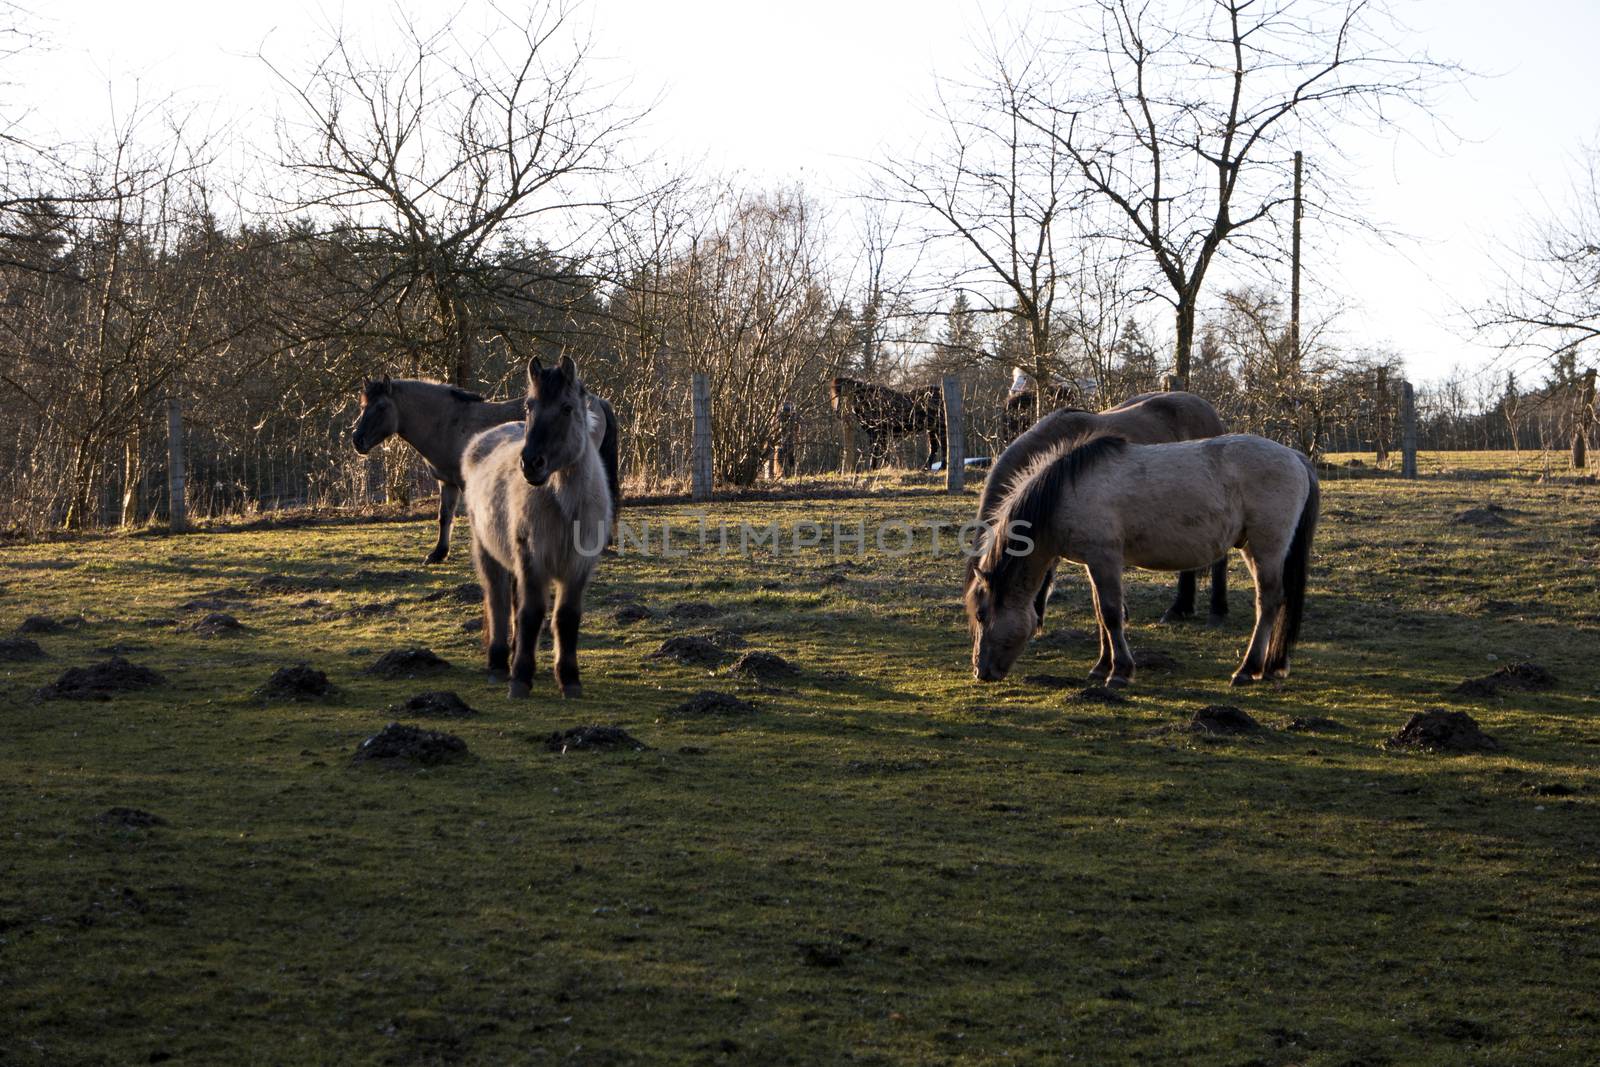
column 888, row 862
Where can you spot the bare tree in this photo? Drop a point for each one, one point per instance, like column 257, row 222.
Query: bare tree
column 1180, row 120
column 425, row 160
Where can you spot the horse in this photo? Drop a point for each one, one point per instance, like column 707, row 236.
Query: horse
column 1105, row 503
column 886, row 413
column 1019, row 414
column 1149, row 418
column 540, row 509
column 438, row 420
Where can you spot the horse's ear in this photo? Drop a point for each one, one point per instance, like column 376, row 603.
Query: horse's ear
column 569, row 369
column 535, row 368
column 387, row 380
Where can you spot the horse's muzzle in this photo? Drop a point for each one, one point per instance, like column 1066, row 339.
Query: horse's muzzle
column 355, row 442
column 536, row 471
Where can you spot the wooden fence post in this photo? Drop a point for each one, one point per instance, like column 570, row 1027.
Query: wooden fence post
column 700, row 458
column 177, row 483
column 1408, row 431
column 1584, row 420
column 955, row 440
column 847, row 440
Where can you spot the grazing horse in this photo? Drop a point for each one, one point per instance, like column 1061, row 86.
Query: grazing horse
column 886, row 413
column 438, row 420
column 1148, row 419
column 1020, row 407
column 1106, row 503
column 540, row 509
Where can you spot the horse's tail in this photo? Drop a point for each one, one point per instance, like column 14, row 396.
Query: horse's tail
column 1296, row 567
column 608, row 458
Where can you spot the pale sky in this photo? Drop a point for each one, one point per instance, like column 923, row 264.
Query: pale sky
column 785, row 91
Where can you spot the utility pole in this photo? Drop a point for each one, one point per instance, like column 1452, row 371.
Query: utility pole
column 1294, row 276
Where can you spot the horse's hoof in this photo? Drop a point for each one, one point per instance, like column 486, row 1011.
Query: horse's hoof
column 436, row 556
column 1118, row 681
column 1243, row 679
column 1173, row 616
column 519, row 691
column 1098, row 677
column 572, row 692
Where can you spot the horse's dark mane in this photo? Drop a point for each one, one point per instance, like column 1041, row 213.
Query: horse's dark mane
column 1036, row 495
column 461, row 394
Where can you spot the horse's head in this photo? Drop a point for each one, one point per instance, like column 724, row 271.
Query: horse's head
column 379, row 416
column 1000, row 614
column 558, row 420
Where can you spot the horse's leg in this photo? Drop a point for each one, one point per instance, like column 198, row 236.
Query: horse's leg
column 1042, row 598
column 1183, row 604
column 531, row 594
column 1267, row 569
column 496, row 582
column 1219, row 591
column 1106, row 576
column 569, row 613
column 448, row 496
column 1102, row 665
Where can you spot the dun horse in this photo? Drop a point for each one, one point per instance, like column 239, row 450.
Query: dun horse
column 1107, row 503
column 540, row 509
column 886, row 413
column 438, row 420
column 1149, row 418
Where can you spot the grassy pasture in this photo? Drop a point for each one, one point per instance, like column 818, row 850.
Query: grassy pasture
column 887, row 862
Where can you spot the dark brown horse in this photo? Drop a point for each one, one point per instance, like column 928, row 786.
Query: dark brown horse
column 885, row 414
column 1021, row 410
column 438, row 420
column 1149, row 418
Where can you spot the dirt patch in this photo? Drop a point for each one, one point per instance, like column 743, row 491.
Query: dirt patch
column 294, row 583
column 408, row 663
column 473, row 626
column 691, row 650
column 218, row 624
column 1223, row 719
column 1097, row 694
column 364, row 611
column 129, row 819
column 1438, row 730
column 725, row 639
column 299, row 682
column 1488, row 517
column 379, row 577
column 99, row 682
column 764, row 667
column 594, row 739
column 1551, row 789
column 159, row 622
column 436, row 704
column 44, row 624
column 694, row 609
column 17, row 649
column 630, row 613
column 1052, row 681
column 1154, row 659
column 1312, row 724
column 1516, row 676
column 205, row 603
column 400, row 744
column 711, row 702
column 1498, row 608
column 465, row 593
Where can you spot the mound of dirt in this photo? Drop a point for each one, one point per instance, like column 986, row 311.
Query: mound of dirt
column 630, row 613
column 205, row 603
column 379, row 577
column 436, row 704
column 399, row 743
column 16, row 649
column 711, row 702
column 1223, row 719
column 1154, row 659
column 1488, row 517
column 725, row 639
column 1517, row 676
column 473, row 626
column 115, row 675
column 1438, row 730
column 1097, row 694
column 364, row 611
column 465, row 593
column 1493, row 606
column 299, row 682
column 764, row 667
column 408, row 663
column 691, row 650
column 44, row 624
column 594, row 739
column 218, row 624
column 693, row 609
column 129, row 818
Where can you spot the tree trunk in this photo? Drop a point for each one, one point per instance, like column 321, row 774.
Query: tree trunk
column 1184, row 345
column 1584, row 420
